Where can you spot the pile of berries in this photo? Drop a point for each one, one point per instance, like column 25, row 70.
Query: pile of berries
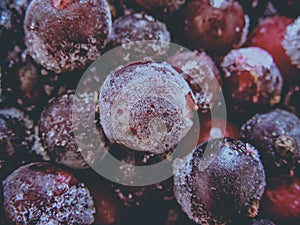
column 236, row 70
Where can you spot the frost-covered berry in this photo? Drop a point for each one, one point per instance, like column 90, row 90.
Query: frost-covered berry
column 276, row 135
column 219, row 180
column 146, row 106
column 201, row 74
column 215, row 26
column 141, row 35
column 43, row 193
column 57, row 131
column 65, row 35
column 252, row 80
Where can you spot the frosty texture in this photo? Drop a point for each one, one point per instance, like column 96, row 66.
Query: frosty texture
column 251, row 79
column 291, row 42
column 42, row 193
column 65, row 35
column 57, row 131
column 276, row 135
column 219, row 180
column 146, row 106
column 201, row 74
column 141, row 34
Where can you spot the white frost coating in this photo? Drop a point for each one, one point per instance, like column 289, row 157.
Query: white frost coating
column 291, row 42
column 181, row 169
column 34, row 196
column 247, row 59
column 220, row 4
column 150, row 80
column 245, row 31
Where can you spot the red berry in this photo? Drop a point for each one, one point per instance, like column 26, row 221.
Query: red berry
column 65, row 35
column 215, row 26
column 281, row 201
column 252, row 81
column 269, row 35
column 45, row 193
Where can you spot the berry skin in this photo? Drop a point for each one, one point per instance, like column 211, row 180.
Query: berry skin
column 202, row 76
column 44, row 193
column 150, row 36
column 57, row 131
column 276, row 135
column 269, row 35
column 213, row 187
column 65, row 35
column 146, row 106
column 252, row 81
column 216, row 27
column 281, row 200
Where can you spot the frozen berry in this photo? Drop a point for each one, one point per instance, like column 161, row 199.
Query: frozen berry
column 215, row 26
column 276, row 135
column 160, row 7
column 146, row 106
column 273, row 36
column 18, row 140
column 201, row 74
column 151, row 36
column 65, row 35
column 219, row 180
column 291, row 100
column 291, row 43
column 57, row 131
column 281, row 200
column 288, row 7
column 43, row 193
column 252, row 81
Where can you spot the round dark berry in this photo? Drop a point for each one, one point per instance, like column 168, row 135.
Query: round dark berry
column 215, row 26
column 252, row 81
column 202, row 76
column 219, row 180
column 57, row 131
column 42, row 193
column 276, row 135
column 146, row 106
column 65, row 35
column 150, row 36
